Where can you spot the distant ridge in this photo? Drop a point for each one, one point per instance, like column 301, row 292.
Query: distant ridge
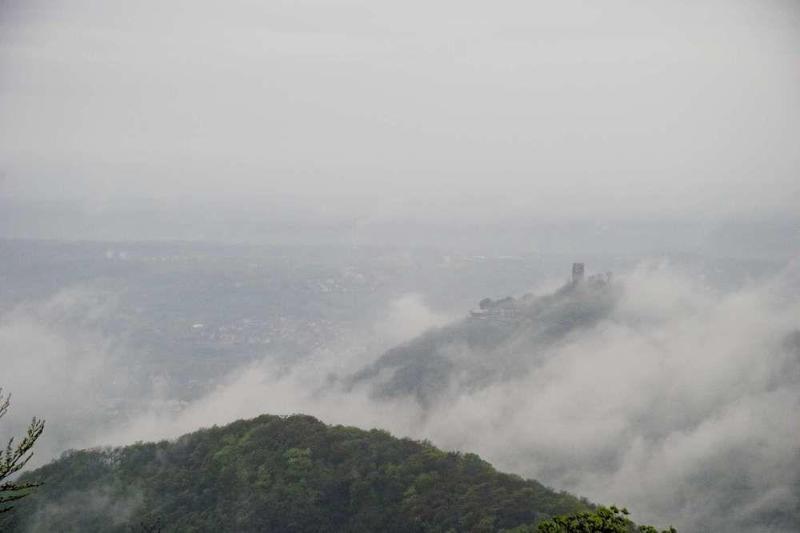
column 500, row 340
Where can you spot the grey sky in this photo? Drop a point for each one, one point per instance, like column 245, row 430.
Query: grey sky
column 303, row 114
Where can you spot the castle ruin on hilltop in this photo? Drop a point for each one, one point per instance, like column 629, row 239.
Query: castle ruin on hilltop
column 595, row 280
column 577, row 273
column 508, row 307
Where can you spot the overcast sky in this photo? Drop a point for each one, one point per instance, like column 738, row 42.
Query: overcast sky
column 169, row 119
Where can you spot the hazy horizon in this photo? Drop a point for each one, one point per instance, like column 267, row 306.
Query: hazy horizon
column 372, row 122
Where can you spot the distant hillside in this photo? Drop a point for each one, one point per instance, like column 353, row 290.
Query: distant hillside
column 281, row 474
column 499, row 340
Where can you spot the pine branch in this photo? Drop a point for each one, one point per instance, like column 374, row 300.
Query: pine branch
column 15, row 457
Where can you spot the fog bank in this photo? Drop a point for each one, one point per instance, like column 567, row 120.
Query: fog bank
column 680, row 405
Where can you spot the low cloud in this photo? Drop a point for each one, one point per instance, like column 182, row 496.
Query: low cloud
column 680, row 404
column 106, row 505
column 57, row 364
column 407, row 317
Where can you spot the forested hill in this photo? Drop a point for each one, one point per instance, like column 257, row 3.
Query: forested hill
column 281, row 474
column 501, row 340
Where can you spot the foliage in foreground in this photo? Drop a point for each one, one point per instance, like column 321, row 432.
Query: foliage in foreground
column 14, row 458
column 296, row 474
column 601, row 520
column 283, row 474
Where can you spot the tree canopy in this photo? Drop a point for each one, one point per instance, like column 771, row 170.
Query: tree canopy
column 601, row 520
column 296, row 474
column 283, row 474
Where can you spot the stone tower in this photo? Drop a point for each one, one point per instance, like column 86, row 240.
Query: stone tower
column 577, row 272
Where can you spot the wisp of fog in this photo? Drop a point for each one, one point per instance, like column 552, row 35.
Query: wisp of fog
column 681, row 402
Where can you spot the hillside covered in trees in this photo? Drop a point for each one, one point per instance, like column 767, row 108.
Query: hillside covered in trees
column 282, row 474
column 501, row 340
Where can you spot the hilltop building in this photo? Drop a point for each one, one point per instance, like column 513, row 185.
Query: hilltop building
column 577, row 273
column 496, row 309
column 579, row 276
column 509, row 308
